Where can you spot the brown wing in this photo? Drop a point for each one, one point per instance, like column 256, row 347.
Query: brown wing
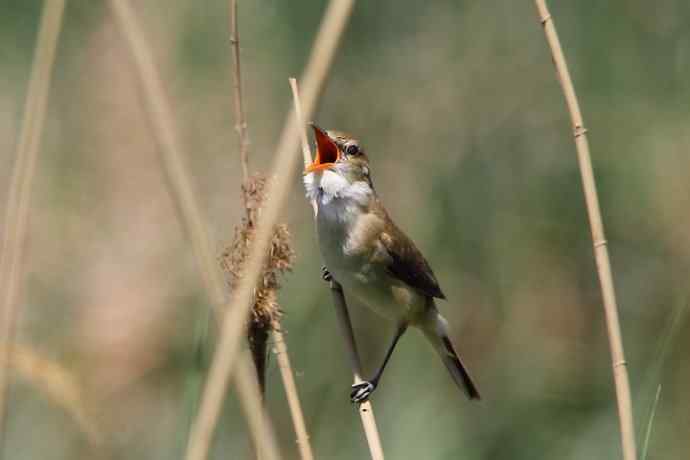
column 407, row 263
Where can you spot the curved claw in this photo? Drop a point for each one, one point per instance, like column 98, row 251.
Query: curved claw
column 325, row 274
column 361, row 391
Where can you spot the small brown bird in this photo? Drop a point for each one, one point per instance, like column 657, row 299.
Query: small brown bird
column 371, row 257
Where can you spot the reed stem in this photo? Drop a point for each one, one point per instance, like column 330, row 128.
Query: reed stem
column 601, row 254
column 181, row 190
column 284, row 163
column 280, row 346
column 21, row 184
column 366, row 411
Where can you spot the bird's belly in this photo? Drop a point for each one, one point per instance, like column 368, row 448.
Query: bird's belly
column 373, row 292
column 368, row 282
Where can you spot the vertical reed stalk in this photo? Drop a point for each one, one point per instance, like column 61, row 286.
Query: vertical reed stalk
column 291, row 393
column 240, row 120
column 620, row 372
column 366, row 411
column 249, row 394
column 257, row 331
column 180, row 187
column 284, row 164
column 19, row 197
column 280, row 345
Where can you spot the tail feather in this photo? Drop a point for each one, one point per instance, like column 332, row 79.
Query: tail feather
column 437, row 334
column 457, row 370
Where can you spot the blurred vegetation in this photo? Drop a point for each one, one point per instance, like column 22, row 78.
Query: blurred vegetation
column 458, row 106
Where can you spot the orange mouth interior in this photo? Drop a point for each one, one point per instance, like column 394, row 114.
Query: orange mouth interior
column 327, row 152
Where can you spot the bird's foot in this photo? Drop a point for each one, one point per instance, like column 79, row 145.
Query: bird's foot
column 361, row 391
column 325, row 274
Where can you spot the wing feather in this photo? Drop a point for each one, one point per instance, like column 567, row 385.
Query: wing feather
column 407, row 263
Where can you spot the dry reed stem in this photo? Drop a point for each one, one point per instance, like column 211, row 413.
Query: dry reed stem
column 306, row 150
column 59, row 386
column 258, row 329
column 165, row 133
column 240, row 119
column 19, row 196
column 254, row 410
column 179, row 183
column 366, row 411
column 601, row 254
column 280, row 346
column 288, row 377
column 284, row 163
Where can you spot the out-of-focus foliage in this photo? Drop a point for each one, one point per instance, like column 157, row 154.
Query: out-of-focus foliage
column 458, row 106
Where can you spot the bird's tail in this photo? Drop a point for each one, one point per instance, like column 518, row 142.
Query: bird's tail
column 436, row 331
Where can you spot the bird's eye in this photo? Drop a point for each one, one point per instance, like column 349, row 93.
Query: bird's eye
column 351, row 149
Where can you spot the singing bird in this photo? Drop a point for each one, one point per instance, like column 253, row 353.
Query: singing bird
column 371, row 257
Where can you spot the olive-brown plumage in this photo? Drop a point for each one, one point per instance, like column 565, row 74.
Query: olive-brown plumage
column 370, row 256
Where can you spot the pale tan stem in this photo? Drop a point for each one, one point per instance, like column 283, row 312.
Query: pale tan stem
column 297, row 104
column 179, row 182
column 306, row 151
column 366, row 411
column 240, row 119
column 283, row 168
column 19, row 196
column 288, row 377
column 620, row 372
column 59, row 385
column 165, row 132
column 160, row 115
column 249, row 396
column 281, row 350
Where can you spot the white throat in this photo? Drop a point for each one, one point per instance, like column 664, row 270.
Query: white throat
column 324, row 187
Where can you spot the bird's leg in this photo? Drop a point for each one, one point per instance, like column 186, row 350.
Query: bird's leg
column 361, row 391
column 325, row 274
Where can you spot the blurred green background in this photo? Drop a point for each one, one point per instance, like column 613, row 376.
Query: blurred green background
column 459, row 108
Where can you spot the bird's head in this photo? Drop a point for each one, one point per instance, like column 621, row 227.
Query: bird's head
column 340, row 169
column 339, row 153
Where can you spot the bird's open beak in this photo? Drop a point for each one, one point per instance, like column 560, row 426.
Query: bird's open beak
column 327, row 152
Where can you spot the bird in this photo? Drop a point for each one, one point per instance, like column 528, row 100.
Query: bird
column 367, row 254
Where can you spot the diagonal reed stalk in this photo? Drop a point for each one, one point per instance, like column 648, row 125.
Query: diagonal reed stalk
column 285, row 160
column 58, row 385
column 366, row 411
column 280, row 345
column 249, row 393
column 288, row 377
column 180, row 187
column 165, row 132
column 620, row 372
column 19, row 198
